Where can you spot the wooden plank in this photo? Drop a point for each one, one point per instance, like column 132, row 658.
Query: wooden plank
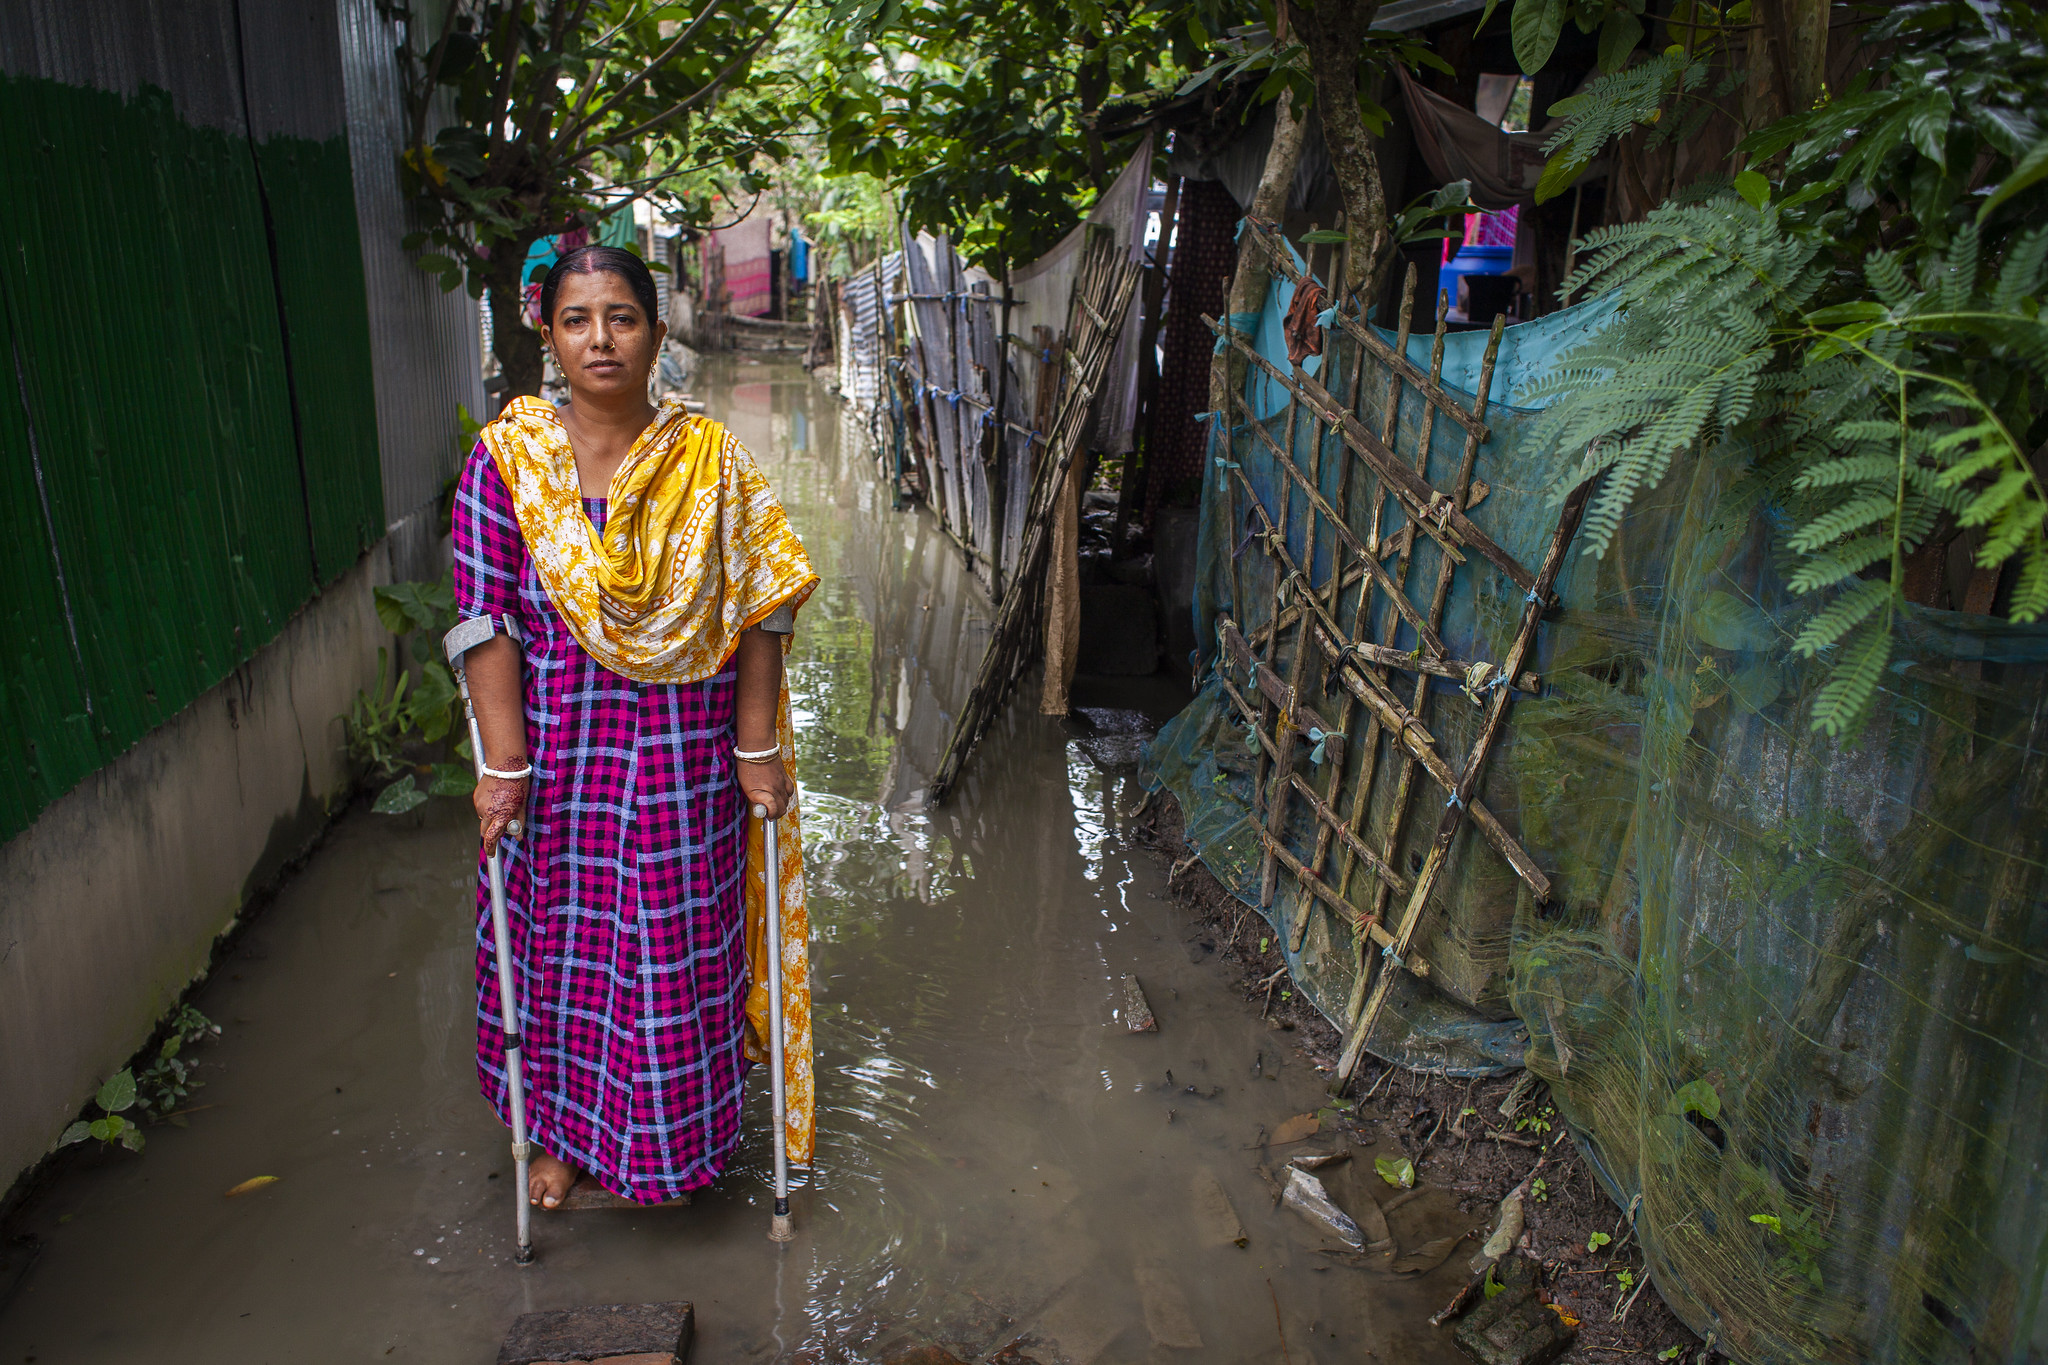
column 1328, row 895
column 1467, row 783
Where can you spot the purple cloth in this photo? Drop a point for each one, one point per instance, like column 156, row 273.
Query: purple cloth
column 624, row 894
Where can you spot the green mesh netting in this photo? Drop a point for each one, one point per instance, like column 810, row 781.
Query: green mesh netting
column 1789, row 991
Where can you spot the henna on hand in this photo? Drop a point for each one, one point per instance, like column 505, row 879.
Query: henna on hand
column 498, row 802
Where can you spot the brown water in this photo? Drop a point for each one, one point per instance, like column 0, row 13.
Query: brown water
column 999, row 1158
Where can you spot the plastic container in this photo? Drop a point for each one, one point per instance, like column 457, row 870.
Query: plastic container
column 1473, row 260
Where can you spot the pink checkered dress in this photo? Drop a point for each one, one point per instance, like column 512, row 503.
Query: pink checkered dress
column 624, row 893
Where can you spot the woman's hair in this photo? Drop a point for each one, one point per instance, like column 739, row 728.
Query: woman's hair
column 601, row 260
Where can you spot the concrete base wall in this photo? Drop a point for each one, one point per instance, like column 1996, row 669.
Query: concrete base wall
column 110, row 903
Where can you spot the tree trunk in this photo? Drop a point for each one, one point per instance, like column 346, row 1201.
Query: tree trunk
column 1334, row 33
column 1254, row 275
column 1788, row 59
column 517, row 346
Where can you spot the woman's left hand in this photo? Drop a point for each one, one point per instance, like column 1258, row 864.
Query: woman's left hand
column 768, row 785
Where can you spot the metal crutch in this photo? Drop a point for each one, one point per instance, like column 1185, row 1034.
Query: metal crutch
column 459, row 641
column 771, row 874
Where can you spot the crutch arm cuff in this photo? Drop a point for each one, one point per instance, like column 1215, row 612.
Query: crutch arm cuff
column 467, row 635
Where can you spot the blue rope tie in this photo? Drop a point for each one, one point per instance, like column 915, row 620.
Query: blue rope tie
column 1327, row 318
column 1454, row 801
column 1531, row 598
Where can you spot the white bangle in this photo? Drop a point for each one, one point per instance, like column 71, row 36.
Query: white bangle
column 524, row 772
column 757, row 755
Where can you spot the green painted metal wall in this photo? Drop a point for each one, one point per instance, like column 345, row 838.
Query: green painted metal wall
column 162, row 506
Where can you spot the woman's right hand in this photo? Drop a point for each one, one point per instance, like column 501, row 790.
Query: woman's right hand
column 498, row 801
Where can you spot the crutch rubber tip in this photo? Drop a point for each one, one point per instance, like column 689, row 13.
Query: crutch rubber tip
column 779, row 1229
column 523, row 1256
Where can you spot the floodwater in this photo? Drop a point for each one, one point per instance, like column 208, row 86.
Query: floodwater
column 1001, row 1163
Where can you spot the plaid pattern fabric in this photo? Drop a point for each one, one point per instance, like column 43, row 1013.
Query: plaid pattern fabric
column 624, row 894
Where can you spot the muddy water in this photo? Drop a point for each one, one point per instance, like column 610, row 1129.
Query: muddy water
column 1001, row 1161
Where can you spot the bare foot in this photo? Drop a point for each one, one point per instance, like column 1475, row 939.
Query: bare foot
column 548, row 1181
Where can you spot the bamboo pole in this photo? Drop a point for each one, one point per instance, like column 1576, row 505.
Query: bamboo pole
column 1465, row 790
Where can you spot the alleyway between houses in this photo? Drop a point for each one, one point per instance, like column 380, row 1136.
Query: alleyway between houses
column 1001, row 1161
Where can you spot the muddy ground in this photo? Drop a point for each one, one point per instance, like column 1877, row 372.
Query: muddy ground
column 1620, row 1318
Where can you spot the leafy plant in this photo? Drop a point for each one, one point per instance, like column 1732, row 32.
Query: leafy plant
column 167, row 1080
column 1799, row 1232
column 411, row 710
column 561, row 113
column 1539, row 1189
column 1538, row 1122
column 116, row 1096
column 1597, row 1240
column 1626, row 1279
column 1854, row 326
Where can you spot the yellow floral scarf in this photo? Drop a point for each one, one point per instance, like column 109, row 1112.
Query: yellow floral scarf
column 695, row 550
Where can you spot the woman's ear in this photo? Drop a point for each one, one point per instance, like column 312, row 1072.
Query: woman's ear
column 660, row 333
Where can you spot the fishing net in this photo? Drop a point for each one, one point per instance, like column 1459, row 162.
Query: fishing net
column 1789, row 991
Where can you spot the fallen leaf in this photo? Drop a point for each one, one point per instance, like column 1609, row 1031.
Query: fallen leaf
column 1428, row 1256
column 1564, row 1317
column 1297, row 1129
column 1396, row 1170
column 256, row 1182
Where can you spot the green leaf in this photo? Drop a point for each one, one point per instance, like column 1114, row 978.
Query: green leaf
column 118, row 1093
column 1752, row 186
column 1619, row 34
column 1535, row 26
column 452, row 779
column 1769, row 1221
column 1597, row 1240
column 400, row 797
column 77, row 1132
column 1398, row 1171
column 2031, row 168
column 1560, row 173
column 1325, row 237
column 1862, row 310
column 1725, row 621
column 1696, row 1097
column 1484, row 15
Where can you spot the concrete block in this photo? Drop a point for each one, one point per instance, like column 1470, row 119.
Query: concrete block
column 613, row 1333
column 1514, row 1327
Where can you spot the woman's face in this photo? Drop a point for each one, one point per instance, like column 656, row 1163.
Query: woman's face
column 601, row 337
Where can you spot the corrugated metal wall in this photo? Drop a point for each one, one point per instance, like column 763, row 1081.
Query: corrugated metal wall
column 189, row 423
column 427, row 354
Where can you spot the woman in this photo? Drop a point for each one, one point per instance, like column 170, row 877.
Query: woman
column 630, row 721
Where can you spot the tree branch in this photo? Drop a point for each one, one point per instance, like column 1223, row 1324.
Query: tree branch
column 710, row 87
column 659, row 60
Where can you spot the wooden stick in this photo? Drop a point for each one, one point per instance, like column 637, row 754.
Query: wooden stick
column 1466, row 786
column 1361, row 793
column 1444, row 522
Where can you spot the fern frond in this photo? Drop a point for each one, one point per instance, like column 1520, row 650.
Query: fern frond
column 2030, row 591
column 2024, row 272
column 1839, row 616
column 1831, row 566
column 1845, row 697
column 1831, row 526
